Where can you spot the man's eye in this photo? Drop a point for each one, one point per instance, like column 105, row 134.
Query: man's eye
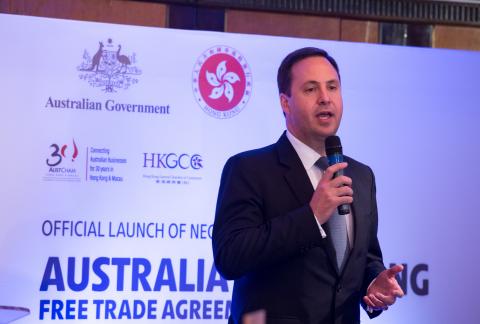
column 332, row 87
column 308, row 90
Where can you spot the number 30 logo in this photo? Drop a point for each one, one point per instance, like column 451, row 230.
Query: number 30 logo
column 59, row 154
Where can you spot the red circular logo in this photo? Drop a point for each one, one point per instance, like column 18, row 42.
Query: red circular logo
column 222, row 82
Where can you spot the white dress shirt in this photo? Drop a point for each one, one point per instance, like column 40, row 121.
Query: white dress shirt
column 308, row 156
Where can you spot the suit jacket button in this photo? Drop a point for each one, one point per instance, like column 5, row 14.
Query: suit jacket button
column 339, row 289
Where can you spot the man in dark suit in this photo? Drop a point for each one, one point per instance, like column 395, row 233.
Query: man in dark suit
column 277, row 231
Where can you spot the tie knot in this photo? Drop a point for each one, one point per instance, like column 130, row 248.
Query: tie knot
column 322, row 163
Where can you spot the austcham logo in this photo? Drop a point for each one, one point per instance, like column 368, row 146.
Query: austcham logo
column 222, row 81
column 61, row 162
column 58, row 153
column 110, row 68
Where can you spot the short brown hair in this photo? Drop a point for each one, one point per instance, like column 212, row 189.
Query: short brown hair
column 284, row 75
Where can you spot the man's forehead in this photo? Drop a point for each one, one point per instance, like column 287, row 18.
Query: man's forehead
column 315, row 69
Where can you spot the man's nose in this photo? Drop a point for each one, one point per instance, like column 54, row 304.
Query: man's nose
column 323, row 96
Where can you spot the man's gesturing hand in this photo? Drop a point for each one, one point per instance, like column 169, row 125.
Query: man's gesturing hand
column 384, row 290
column 331, row 193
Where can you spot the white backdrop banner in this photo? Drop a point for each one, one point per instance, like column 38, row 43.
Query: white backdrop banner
column 114, row 138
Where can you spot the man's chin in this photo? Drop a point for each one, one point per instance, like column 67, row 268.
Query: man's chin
column 324, row 134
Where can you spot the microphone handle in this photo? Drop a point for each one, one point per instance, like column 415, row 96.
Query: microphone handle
column 334, row 159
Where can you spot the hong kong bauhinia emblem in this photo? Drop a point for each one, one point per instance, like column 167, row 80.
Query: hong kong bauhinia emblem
column 110, row 68
column 222, row 81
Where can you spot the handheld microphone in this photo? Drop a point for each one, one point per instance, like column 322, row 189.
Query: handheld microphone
column 333, row 147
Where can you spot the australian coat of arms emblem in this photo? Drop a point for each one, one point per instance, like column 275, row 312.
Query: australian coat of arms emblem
column 109, row 68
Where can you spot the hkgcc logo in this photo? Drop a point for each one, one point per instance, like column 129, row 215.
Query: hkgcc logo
column 61, row 162
column 172, row 161
column 222, row 82
column 109, row 67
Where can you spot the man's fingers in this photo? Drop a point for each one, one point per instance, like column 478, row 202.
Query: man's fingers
column 341, row 181
column 344, row 191
column 376, row 302
column 344, row 200
column 371, row 306
column 394, row 270
column 330, row 171
column 387, row 300
column 367, row 301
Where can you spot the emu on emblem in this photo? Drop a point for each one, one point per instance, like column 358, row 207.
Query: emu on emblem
column 109, row 68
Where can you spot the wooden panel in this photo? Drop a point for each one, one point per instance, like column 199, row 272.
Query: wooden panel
column 359, row 31
column 111, row 11
column 467, row 38
column 267, row 23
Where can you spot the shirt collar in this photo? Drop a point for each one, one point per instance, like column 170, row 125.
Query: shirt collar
column 307, row 155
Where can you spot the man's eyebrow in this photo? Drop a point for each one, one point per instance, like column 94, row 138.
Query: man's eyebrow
column 333, row 81
column 314, row 82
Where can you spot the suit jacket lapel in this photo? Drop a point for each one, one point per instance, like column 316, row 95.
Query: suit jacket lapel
column 357, row 224
column 301, row 186
column 348, row 172
column 295, row 174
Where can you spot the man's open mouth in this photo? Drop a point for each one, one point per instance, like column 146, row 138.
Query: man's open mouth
column 324, row 115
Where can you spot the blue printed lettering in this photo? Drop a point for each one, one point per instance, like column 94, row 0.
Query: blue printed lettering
column 213, row 282
column 71, row 274
column 165, row 268
column 140, row 276
column 52, row 275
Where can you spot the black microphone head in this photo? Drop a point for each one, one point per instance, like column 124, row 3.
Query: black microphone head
column 333, row 145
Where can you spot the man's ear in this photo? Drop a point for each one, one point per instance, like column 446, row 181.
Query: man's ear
column 284, row 102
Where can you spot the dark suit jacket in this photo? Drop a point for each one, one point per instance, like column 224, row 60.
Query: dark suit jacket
column 265, row 237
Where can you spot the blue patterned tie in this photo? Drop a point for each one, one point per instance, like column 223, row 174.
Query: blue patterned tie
column 337, row 224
